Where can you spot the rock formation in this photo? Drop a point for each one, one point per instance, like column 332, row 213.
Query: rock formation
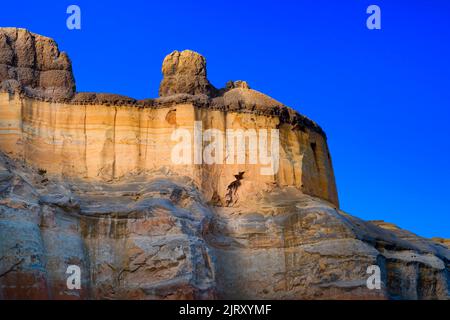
column 185, row 72
column 87, row 179
column 33, row 64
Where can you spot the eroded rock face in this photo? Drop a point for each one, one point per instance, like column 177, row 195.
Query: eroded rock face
column 135, row 239
column 33, row 64
column 185, row 72
column 90, row 182
column 155, row 237
column 105, row 142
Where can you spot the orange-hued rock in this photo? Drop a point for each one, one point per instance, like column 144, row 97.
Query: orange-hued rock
column 104, row 142
column 185, row 72
column 445, row 242
column 89, row 179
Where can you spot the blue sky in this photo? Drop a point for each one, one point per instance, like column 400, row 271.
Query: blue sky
column 382, row 96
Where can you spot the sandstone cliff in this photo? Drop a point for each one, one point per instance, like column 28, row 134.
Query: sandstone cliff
column 87, row 179
column 33, row 64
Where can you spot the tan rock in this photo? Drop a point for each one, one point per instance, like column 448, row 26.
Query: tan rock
column 445, row 242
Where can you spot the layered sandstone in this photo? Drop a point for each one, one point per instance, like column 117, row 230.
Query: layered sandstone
column 102, row 142
column 89, row 179
column 156, row 237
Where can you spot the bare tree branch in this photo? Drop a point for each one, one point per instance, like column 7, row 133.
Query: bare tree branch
column 12, row 268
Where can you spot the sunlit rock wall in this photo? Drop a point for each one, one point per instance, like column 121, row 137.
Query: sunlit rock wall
column 105, row 142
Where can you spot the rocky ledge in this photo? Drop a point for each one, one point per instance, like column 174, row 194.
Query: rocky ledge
column 32, row 66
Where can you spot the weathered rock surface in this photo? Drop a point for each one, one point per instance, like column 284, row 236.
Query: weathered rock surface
column 105, row 142
column 89, row 181
column 445, row 242
column 121, row 235
column 154, row 237
column 185, row 72
column 32, row 64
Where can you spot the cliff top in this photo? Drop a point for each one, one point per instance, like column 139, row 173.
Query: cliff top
column 32, row 66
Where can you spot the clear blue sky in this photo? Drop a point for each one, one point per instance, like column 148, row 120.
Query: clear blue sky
column 382, row 96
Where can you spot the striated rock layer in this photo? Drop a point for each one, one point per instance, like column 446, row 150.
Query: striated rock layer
column 102, row 142
column 87, row 179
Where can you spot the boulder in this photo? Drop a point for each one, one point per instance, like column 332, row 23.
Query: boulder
column 185, row 72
